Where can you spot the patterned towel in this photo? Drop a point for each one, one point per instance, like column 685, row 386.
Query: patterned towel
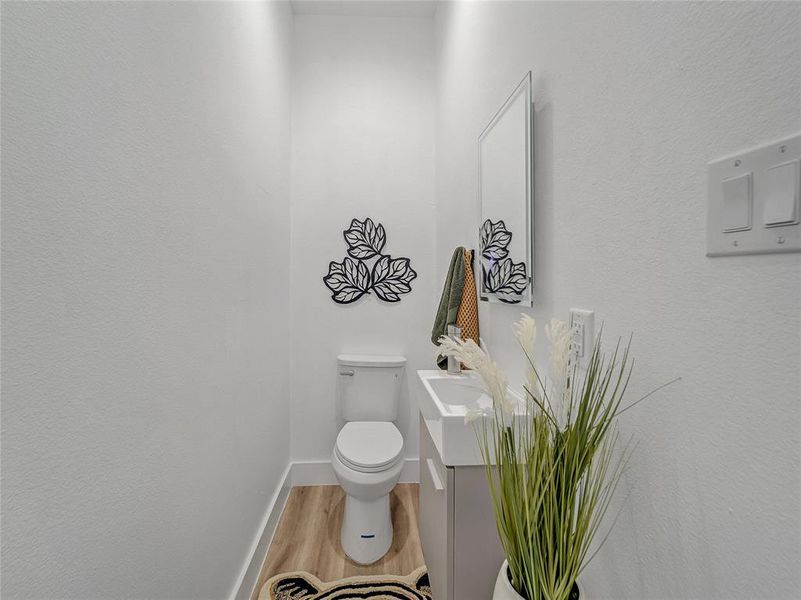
column 467, row 317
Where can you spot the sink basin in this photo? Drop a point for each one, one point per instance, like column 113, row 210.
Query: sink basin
column 464, row 390
column 444, row 401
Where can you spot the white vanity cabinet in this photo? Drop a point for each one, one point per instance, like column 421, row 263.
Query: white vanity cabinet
column 457, row 527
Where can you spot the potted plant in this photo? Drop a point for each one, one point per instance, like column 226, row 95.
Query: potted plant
column 551, row 463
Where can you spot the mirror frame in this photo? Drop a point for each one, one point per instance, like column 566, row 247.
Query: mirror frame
column 524, row 87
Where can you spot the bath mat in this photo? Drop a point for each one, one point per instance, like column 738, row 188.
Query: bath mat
column 300, row 585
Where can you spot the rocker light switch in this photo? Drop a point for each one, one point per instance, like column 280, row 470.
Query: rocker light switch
column 781, row 195
column 736, row 195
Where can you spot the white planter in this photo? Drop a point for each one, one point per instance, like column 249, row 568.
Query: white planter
column 505, row 591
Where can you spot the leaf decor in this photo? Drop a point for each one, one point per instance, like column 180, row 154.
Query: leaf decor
column 500, row 275
column 391, row 277
column 348, row 280
column 364, row 239
column 495, row 240
column 352, row 278
column 505, row 277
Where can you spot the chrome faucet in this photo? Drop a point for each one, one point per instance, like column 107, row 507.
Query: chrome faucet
column 454, row 366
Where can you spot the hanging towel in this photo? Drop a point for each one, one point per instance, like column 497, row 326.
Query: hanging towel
column 450, row 301
column 467, row 317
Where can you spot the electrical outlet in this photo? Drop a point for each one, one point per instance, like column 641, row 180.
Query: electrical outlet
column 582, row 327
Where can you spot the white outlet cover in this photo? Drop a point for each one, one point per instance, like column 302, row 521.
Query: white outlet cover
column 586, row 320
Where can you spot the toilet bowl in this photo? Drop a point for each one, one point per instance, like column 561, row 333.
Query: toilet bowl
column 367, row 460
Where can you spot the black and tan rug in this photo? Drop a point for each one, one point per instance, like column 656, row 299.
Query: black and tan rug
column 305, row 586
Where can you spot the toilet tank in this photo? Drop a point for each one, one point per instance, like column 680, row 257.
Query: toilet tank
column 369, row 386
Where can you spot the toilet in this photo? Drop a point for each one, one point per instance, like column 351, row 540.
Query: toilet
column 368, row 454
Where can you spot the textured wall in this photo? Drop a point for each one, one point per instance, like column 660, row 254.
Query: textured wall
column 362, row 145
column 145, row 182
column 632, row 101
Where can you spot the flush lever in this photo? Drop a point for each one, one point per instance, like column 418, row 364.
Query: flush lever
column 346, row 373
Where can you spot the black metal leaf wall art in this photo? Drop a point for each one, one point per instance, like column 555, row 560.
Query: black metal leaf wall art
column 392, row 277
column 495, row 240
column 365, row 239
column 348, row 280
column 352, row 278
column 500, row 275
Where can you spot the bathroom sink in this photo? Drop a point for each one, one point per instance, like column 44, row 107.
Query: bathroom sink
column 444, row 401
column 451, row 390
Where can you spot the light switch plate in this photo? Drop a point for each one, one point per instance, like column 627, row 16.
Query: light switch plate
column 757, row 238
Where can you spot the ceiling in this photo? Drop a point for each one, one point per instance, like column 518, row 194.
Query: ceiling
column 372, row 8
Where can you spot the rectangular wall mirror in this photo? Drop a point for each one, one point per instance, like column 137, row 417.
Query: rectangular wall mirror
column 505, row 187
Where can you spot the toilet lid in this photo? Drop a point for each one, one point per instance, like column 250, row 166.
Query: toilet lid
column 369, row 444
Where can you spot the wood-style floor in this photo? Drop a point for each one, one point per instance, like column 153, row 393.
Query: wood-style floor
column 307, row 536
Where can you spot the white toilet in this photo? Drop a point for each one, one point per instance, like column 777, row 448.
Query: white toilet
column 368, row 454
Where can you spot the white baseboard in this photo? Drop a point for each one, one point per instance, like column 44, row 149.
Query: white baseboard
column 248, row 577
column 296, row 474
column 322, row 473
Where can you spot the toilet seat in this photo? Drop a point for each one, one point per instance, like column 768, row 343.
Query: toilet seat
column 369, row 446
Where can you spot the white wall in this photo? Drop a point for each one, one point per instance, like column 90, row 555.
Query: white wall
column 145, row 183
column 632, row 100
column 362, row 145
